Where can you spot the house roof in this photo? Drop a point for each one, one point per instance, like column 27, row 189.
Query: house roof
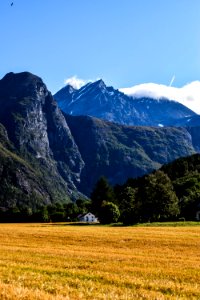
column 83, row 215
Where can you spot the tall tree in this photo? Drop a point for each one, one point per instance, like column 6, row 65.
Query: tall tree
column 130, row 206
column 159, row 199
column 188, row 190
column 102, row 192
column 108, row 213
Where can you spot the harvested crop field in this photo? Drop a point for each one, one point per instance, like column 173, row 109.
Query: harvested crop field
column 46, row 261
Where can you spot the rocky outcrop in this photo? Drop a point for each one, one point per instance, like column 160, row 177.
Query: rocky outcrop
column 39, row 132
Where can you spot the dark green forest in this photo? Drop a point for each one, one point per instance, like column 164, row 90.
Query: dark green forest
column 168, row 194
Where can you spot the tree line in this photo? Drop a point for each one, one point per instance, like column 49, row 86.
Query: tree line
column 55, row 212
column 168, row 194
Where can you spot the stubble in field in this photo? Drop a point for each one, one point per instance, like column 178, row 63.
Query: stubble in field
column 44, row 261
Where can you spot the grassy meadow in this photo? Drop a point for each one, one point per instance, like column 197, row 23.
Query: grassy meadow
column 46, row 261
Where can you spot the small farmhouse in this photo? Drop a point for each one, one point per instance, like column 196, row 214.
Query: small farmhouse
column 198, row 212
column 198, row 215
column 88, row 217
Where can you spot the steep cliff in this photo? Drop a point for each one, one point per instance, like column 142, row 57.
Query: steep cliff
column 39, row 133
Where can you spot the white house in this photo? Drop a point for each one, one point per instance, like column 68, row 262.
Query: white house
column 88, row 217
column 198, row 215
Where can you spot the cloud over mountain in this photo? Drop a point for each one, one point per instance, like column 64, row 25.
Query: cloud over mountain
column 188, row 95
column 76, row 82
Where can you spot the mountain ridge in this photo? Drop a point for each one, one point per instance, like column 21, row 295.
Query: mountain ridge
column 119, row 151
column 97, row 100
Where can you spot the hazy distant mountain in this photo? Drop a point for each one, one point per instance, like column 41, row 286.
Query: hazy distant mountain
column 98, row 100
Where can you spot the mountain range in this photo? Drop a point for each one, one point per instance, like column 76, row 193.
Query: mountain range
column 47, row 155
column 97, row 100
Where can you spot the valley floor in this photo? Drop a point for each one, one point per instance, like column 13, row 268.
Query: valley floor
column 47, row 261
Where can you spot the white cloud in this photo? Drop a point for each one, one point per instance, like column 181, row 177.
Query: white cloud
column 188, row 95
column 76, row 82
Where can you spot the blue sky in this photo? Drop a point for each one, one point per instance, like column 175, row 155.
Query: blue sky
column 125, row 42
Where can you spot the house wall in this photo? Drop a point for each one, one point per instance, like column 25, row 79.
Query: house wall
column 89, row 218
column 198, row 215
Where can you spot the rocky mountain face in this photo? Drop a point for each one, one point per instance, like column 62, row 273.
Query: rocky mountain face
column 47, row 156
column 40, row 135
column 120, row 152
column 192, row 121
column 21, row 184
column 97, row 100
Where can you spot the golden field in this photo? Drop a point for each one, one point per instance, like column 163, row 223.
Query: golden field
column 46, row 261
